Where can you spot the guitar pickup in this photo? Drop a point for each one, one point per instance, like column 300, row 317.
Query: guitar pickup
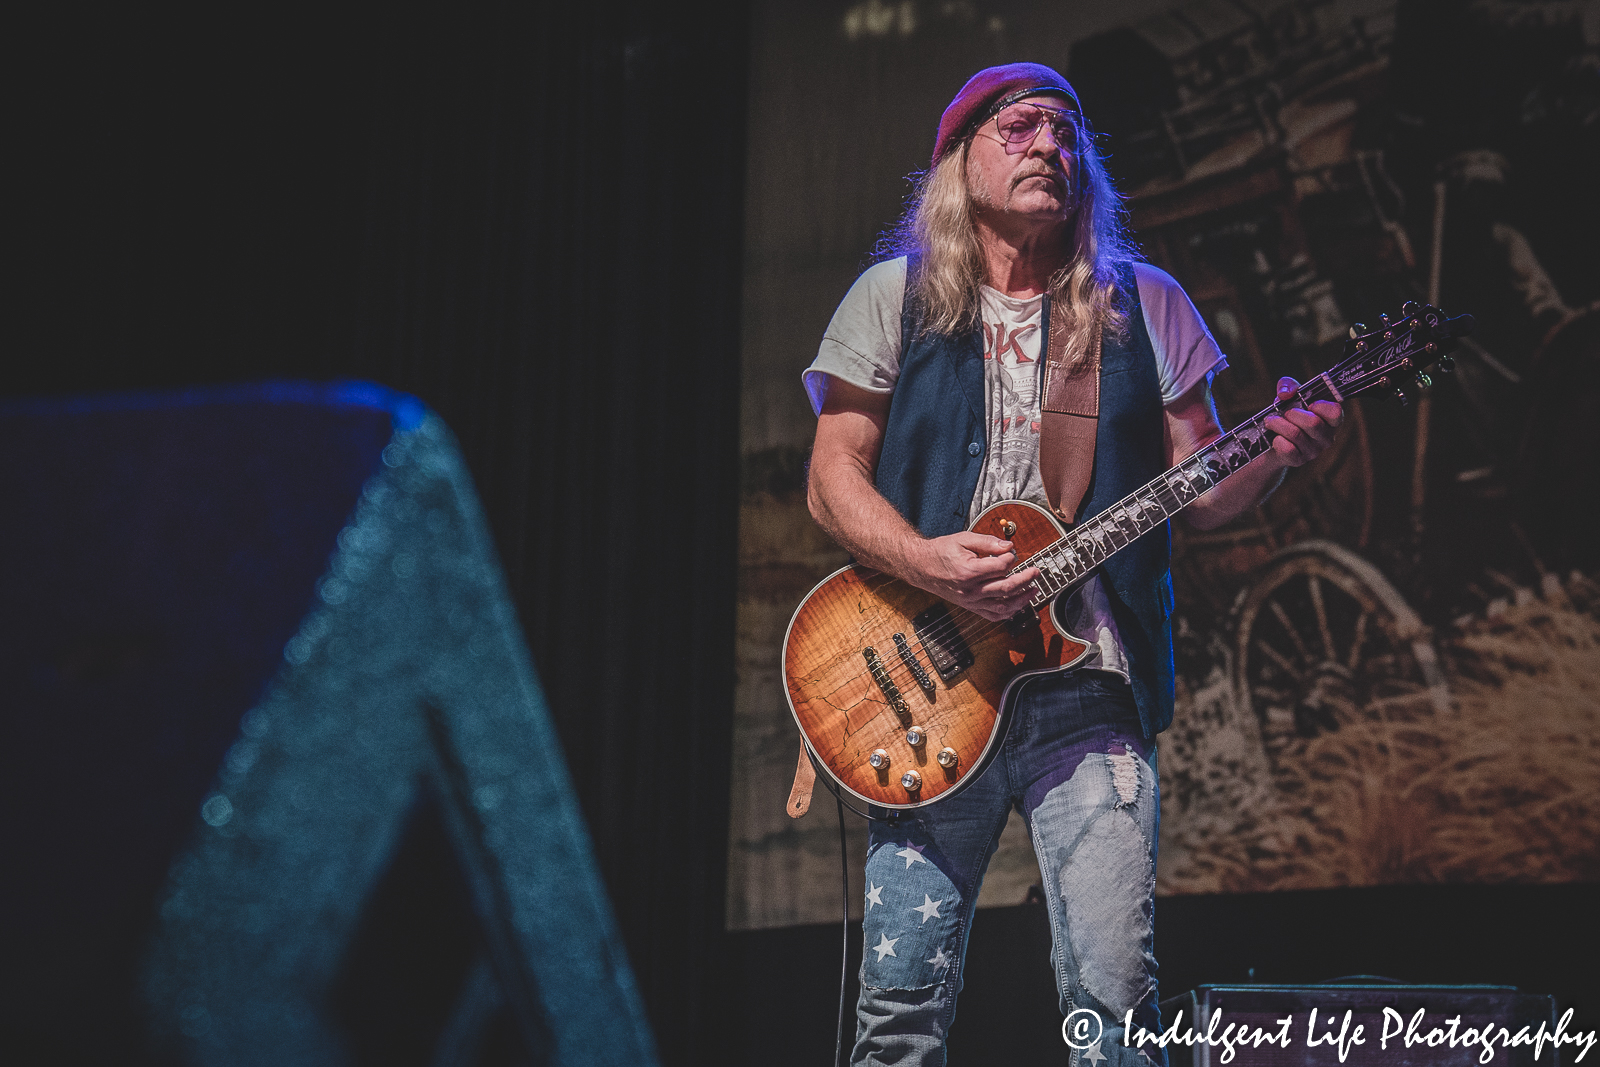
column 891, row 692
column 947, row 650
column 908, row 655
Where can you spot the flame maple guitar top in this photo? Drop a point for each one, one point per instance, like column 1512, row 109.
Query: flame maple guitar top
column 868, row 657
column 846, row 712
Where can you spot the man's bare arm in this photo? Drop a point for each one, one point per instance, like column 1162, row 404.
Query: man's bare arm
column 1191, row 424
column 965, row 568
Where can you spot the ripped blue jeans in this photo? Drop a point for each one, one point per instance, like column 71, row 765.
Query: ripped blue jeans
column 1076, row 765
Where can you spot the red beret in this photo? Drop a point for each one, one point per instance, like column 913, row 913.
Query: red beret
column 984, row 88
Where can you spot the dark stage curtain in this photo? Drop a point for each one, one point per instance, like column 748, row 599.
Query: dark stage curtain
column 552, row 260
column 530, row 217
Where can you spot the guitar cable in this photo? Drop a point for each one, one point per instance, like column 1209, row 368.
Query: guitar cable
column 844, row 950
column 844, row 916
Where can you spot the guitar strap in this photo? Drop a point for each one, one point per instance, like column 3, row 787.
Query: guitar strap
column 805, row 780
column 1070, row 420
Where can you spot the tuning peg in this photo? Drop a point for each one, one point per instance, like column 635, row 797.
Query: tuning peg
column 1357, row 329
column 1400, row 395
column 1410, row 307
column 1383, row 320
column 1446, row 365
column 1423, row 380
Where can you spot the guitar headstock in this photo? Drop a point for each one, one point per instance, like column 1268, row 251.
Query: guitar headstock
column 1399, row 351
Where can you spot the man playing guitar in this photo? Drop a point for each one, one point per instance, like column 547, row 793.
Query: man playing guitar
column 933, row 387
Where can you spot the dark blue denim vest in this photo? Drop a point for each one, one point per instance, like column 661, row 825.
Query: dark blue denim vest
column 933, row 453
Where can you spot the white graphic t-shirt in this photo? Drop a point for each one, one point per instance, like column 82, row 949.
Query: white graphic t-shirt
column 862, row 347
column 1011, row 351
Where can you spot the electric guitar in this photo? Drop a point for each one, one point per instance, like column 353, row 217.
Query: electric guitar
column 903, row 698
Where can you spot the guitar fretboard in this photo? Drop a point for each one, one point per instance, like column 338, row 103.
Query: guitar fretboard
column 1097, row 539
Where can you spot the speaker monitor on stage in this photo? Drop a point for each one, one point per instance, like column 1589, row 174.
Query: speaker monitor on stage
column 280, row 785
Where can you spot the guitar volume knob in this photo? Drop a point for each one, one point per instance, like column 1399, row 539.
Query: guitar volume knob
column 879, row 760
column 912, row 781
column 915, row 737
column 947, row 758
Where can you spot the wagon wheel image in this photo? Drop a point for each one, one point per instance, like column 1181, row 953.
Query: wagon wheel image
column 1330, row 498
column 1323, row 639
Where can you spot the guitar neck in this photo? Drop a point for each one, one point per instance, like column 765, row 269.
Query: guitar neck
column 1092, row 542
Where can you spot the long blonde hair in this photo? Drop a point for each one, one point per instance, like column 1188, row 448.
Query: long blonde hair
column 940, row 227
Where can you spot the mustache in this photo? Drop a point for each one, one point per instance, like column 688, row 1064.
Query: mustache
column 1054, row 174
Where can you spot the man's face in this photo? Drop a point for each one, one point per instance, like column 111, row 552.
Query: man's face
column 1029, row 180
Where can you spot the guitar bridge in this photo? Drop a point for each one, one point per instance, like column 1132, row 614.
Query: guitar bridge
column 947, row 650
column 891, row 692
